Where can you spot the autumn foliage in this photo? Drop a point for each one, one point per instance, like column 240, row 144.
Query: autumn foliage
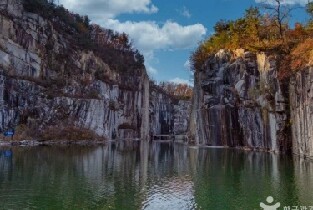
column 302, row 54
column 267, row 33
column 111, row 46
column 177, row 91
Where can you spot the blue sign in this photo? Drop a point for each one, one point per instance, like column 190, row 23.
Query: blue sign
column 8, row 153
column 9, row 133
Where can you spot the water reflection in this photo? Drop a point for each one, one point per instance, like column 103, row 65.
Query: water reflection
column 239, row 179
column 5, row 164
column 139, row 175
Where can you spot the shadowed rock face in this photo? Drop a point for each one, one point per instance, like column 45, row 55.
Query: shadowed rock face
column 167, row 115
column 301, row 106
column 238, row 102
column 161, row 113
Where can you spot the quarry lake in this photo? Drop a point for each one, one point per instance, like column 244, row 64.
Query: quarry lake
column 159, row 175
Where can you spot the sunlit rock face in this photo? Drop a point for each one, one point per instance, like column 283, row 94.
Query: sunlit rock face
column 238, row 102
column 48, row 82
column 301, row 111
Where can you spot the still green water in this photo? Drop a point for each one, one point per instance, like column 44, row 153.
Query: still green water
column 157, row 176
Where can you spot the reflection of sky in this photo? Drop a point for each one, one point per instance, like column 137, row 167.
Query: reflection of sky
column 156, row 176
column 109, row 171
column 176, row 193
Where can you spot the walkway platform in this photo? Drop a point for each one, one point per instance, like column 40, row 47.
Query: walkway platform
column 169, row 137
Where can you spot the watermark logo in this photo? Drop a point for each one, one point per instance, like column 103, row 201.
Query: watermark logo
column 270, row 205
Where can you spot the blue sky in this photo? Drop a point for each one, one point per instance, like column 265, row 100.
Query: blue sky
column 166, row 32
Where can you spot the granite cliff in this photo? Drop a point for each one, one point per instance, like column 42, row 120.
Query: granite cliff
column 53, row 88
column 239, row 101
column 301, row 111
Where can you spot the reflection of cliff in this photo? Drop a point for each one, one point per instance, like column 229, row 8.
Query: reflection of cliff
column 119, row 175
column 5, row 164
column 303, row 180
column 169, row 185
column 175, row 193
column 67, row 177
column 139, row 175
column 238, row 178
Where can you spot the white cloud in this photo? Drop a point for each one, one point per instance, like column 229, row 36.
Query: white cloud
column 185, row 12
column 149, row 36
column 301, row 2
column 178, row 80
column 109, row 8
column 187, row 65
column 151, row 71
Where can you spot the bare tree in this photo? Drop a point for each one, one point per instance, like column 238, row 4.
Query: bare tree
column 279, row 12
column 309, row 9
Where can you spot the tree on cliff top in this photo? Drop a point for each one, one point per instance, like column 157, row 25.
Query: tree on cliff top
column 279, row 12
column 252, row 18
column 269, row 32
column 107, row 44
column 309, row 9
column 178, row 91
column 229, row 35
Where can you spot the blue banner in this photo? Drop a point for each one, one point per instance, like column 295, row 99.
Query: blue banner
column 9, row 133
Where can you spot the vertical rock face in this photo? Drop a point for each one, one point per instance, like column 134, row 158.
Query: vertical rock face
column 238, row 102
column 181, row 117
column 167, row 115
column 301, row 111
column 46, row 82
column 161, row 113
